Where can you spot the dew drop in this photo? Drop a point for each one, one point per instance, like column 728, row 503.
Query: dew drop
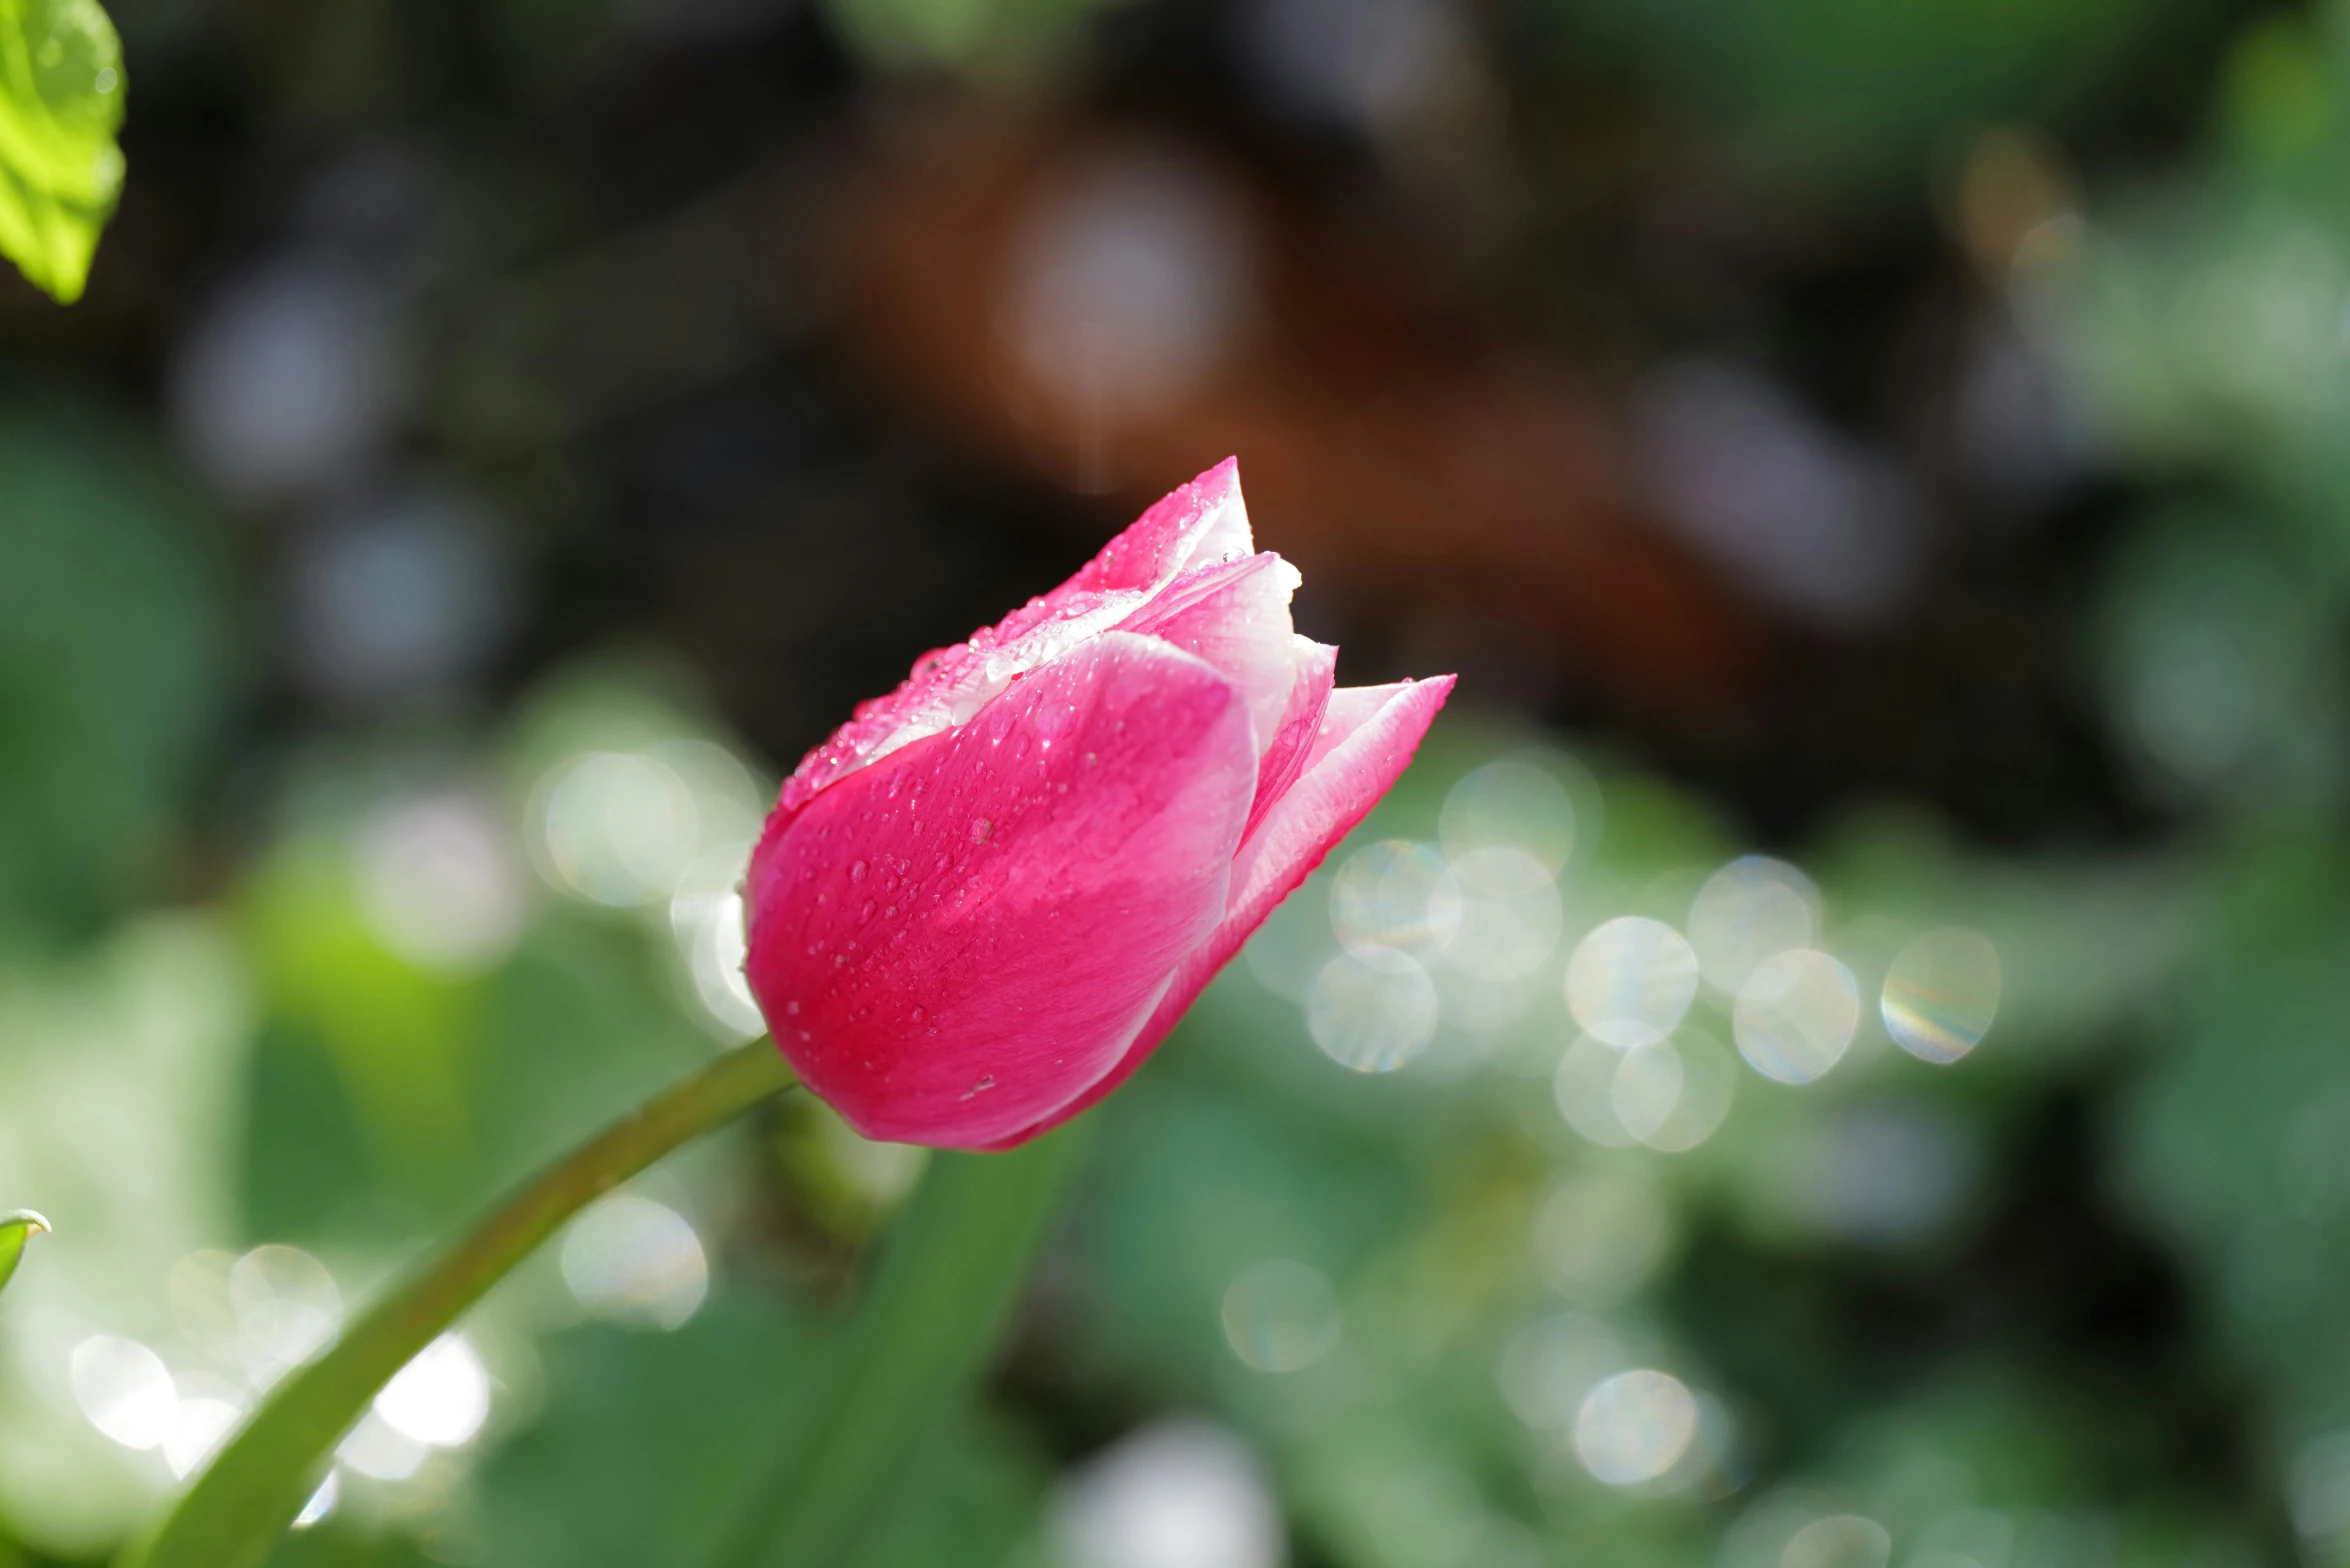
column 857, row 872
column 980, row 829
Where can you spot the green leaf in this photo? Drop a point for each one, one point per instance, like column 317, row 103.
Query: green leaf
column 119, row 651
column 15, row 1230
column 949, row 1275
column 643, row 1435
column 982, row 36
column 61, row 94
column 240, row 1507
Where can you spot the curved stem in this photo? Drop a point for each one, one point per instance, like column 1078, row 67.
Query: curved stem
column 241, row 1505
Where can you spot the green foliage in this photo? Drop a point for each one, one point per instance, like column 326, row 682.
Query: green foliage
column 237, row 1509
column 61, row 96
column 1853, row 90
column 115, row 664
column 646, row 1438
column 978, row 35
column 927, row 1325
column 2203, row 322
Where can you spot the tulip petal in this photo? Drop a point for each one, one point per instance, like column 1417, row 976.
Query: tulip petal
column 1301, row 726
column 1198, row 525
column 1235, row 616
column 949, row 686
column 955, row 942
column 1203, row 523
column 1367, row 739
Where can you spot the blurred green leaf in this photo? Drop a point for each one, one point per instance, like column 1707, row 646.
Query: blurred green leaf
column 304, row 1165
column 2279, row 100
column 118, row 1116
column 951, row 1272
column 979, row 35
column 15, row 1230
column 338, row 1546
column 1860, row 91
column 114, row 661
column 242, row 1503
column 644, row 1436
column 971, row 1494
column 1204, row 1178
column 397, row 1037
column 61, row 93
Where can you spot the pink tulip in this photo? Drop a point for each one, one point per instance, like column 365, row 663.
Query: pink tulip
column 987, row 898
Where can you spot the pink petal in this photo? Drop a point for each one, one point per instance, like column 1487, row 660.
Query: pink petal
column 1235, row 616
column 955, row 942
column 1301, row 726
column 1200, row 524
column 949, row 686
column 1203, row 523
column 1367, row 740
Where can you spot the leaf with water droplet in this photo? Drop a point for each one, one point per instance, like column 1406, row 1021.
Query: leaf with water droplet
column 15, row 1230
column 61, row 93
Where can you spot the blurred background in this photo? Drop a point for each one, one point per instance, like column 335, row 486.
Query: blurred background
column 1835, row 1057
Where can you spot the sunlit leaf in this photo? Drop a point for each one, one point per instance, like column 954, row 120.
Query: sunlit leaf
column 61, row 94
column 15, row 1229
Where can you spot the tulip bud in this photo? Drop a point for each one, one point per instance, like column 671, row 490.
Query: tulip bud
column 983, row 901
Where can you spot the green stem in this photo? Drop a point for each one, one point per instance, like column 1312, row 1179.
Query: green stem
column 240, row 1506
